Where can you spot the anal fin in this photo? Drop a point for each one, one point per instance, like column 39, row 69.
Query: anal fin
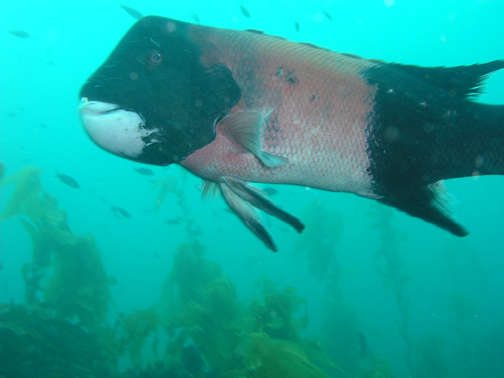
column 430, row 203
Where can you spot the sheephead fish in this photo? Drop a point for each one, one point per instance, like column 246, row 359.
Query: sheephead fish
column 236, row 107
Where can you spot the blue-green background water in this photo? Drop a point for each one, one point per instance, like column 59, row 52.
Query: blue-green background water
column 40, row 78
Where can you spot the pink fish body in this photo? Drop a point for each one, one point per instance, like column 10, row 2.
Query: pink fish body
column 314, row 109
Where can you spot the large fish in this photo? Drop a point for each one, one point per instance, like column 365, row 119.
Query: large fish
column 239, row 106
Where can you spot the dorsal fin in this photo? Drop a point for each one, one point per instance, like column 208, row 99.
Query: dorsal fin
column 461, row 81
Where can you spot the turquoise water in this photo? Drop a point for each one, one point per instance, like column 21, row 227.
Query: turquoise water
column 431, row 305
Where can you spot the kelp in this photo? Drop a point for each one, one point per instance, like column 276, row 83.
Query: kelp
column 66, row 271
column 222, row 301
column 212, row 317
column 24, row 197
column 188, row 278
column 391, row 266
column 79, row 285
column 381, row 370
column 136, row 328
column 318, row 242
column 274, row 314
column 198, row 296
column 341, row 337
column 68, row 287
column 170, row 184
column 33, row 343
column 269, row 358
column 164, row 186
column 428, row 358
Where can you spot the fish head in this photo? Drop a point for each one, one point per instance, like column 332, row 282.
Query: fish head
column 159, row 95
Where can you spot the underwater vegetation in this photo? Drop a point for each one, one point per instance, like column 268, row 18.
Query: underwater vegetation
column 26, row 192
column 66, row 290
column 276, row 314
column 66, row 271
column 318, row 242
column 170, row 184
column 381, row 370
column 424, row 353
column 390, row 265
column 136, row 328
column 36, row 343
column 199, row 329
column 341, row 336
column 270, row 358
column 427, row 358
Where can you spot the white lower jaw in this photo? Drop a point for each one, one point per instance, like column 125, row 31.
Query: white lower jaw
column 114, row 129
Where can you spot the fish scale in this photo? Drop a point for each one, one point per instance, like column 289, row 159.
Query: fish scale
column 320, row 119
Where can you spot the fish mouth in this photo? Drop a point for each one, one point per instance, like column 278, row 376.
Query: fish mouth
column 97, row 107
column 115, row 129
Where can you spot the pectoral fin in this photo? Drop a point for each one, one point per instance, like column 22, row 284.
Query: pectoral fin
column 244, row 128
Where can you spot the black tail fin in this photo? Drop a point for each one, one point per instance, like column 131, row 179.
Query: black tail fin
column 426, row 128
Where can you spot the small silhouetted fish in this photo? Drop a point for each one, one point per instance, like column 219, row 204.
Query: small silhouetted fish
column 132, row 12
column 174, row 221
column 140, row 254
column 145, row 171
column 270, row 191
column 327, row 14
column 364, row 349
column 296, row 26
column 123, row 212
column 192, row 360
column 155, row 255
column 19, row 33
column 68, row 180
column 245, row 11
column 11, row 114
column 43, row 125
column 194, row 231
column 195, row 17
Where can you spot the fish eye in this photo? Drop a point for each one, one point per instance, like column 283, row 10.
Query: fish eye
column 155, row 58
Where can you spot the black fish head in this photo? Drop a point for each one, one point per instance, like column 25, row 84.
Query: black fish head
column 159, row 95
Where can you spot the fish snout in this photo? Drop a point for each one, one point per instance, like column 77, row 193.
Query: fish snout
column 115, row 129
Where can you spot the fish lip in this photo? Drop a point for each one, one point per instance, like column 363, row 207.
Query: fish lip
column 97, row 107
column 115, row 129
